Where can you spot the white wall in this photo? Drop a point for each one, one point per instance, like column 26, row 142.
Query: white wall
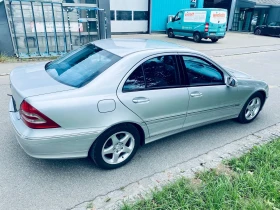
column 127, row 25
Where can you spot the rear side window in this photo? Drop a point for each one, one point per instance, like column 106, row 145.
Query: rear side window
column 161, row 72
column 158, row 72
column 81, row 66
column 136, row 81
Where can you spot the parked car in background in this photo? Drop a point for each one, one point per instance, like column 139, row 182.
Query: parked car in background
column 110, row 96
column 272, row 29
column 206, row 23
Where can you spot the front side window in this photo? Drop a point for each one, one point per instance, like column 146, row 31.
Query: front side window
column 158, row 72
column 200, row 72
column 178, row 16
column 81, row 66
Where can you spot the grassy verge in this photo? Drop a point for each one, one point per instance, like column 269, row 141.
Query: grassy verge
column 6, row 59
column 249, row 182
column 10, row 59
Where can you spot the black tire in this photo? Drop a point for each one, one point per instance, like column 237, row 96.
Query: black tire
column 242, row 118
column 170, row 33
column 97, row 147
column 258, row 31
column 214, row 40
column 197, row 37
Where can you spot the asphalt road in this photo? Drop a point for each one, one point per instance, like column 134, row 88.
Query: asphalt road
column 28, row 183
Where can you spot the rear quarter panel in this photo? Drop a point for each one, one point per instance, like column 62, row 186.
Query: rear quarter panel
column 78, row 109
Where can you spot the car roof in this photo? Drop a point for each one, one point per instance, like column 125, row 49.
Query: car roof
column 123, row 47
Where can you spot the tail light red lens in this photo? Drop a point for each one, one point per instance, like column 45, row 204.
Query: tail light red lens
column 206, row 27
column 34, row 118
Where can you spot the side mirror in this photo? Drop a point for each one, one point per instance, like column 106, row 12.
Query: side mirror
column 231, row 82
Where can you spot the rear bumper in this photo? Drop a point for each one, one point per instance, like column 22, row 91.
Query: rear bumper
column 57, row 143
column 212, row 36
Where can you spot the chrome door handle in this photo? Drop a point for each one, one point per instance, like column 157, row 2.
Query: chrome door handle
column 196, row 94
column 139, row 100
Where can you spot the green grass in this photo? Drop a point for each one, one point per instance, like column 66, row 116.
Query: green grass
column 12, row 59
column 249, row 182
column 4, row 58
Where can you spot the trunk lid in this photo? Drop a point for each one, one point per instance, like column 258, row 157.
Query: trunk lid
column 32, row 80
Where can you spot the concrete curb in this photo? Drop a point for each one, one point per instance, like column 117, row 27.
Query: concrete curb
column 142, row 188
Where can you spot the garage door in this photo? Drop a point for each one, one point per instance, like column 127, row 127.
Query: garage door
column 129, row 15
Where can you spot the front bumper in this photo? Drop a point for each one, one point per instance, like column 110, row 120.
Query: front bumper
column 56, row 143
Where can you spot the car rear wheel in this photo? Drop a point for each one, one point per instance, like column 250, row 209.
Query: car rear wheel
column 214, row 40
column 251, row 109
column 197, row 37
column 115, row 147
column 258, row 31
column 170, row 33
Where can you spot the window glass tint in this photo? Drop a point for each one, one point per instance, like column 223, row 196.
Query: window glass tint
column 81, row 66
column 178, row 16
column 272, row 24
column 140, row 15
column 161, row 72
column 112, row 14
column 201, row 73
column 124, row 15
column 135, row 81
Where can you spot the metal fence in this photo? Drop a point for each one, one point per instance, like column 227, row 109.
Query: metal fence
column 41, row 29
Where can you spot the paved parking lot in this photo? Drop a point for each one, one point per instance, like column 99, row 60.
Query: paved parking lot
column 28, row 183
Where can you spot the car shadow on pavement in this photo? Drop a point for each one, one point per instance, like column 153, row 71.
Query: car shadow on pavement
column 203, row 41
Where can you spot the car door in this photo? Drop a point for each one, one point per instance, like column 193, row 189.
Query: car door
column 153, row 91
column 210, row 98
column 277, row 29
column 271, row 29
column 177, row 30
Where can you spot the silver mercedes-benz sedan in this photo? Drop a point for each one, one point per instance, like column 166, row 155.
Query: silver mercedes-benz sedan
column 111, row 96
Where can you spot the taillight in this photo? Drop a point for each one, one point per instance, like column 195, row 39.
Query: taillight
column 206, row 27
column 35, row 119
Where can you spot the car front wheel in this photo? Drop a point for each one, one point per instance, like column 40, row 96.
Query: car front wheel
column 251, row 108
column 115, row 147
column 170, row 33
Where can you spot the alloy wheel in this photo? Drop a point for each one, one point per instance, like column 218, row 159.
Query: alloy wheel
column 118, row 147
column 253, row 108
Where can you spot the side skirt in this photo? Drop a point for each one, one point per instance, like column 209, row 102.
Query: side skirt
column 160, row 136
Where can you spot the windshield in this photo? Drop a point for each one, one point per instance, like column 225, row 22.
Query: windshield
column 79, row 67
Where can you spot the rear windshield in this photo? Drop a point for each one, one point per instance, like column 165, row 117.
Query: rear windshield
column 79, row 67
